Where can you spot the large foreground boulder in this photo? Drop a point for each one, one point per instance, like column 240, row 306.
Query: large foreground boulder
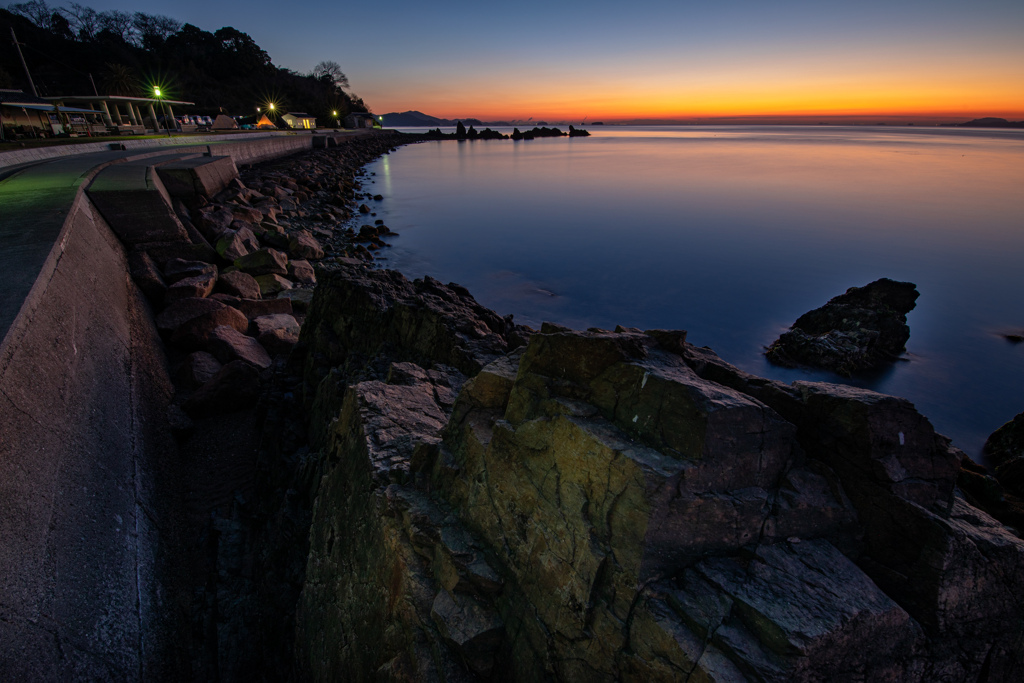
column 860, row 330
column 602, row 506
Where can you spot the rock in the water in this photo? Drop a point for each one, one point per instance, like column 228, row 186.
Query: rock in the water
column 862, row 329
column 236, row 386
column 239, row 284
column 228, row 344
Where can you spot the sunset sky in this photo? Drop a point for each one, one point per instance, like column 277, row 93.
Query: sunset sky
column 647, row 59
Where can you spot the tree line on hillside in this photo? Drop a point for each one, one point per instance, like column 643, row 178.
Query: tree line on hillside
column 73, row 48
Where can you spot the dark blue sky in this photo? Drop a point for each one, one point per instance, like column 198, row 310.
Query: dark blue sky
column 652, row 58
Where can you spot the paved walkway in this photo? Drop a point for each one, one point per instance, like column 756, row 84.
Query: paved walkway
column 35, row 202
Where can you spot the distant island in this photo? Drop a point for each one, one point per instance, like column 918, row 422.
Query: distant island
column 461, row 133
column 417, row 119
column 988, row 122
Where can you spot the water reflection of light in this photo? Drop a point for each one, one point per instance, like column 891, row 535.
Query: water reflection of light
column 385, row 164
column 733, row 234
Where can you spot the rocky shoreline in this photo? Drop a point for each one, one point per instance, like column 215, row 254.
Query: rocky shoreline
column 620, row 506
column 409, row 486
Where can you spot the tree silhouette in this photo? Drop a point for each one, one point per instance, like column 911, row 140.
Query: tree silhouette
column 329, row 70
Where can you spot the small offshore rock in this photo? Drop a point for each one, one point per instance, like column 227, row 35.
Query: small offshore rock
column 860, row 330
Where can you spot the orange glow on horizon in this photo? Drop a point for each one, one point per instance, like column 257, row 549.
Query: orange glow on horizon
column 664, row 95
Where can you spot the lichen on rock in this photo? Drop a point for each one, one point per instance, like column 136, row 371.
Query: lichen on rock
column 494, row 503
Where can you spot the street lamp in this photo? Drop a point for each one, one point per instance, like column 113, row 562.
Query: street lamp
column 335, row 115
column 159, row 97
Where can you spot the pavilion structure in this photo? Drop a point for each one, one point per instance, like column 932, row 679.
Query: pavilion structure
column 120, row 110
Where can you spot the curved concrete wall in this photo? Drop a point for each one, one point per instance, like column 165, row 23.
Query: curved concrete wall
column 35, row 154
column 87, row 475
column 93, row 582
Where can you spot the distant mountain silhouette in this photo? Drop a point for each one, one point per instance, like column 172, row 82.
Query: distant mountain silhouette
column 417, row 118
column 414, row 118
column 990, row 122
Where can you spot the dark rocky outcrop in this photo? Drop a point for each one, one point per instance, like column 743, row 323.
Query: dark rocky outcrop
column 462, row 134
column 1005, row 450
column 860, row 330
column 544, row 132
column 497, row 504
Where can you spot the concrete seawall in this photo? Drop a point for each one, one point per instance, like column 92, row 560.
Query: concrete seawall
column 91, row 578
column 86, row 472
column 37, row 154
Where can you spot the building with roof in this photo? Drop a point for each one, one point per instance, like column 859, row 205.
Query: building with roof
column 361, row 119
column 298, row 119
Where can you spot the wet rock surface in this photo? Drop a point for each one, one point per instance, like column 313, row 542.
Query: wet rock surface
column 860, row 330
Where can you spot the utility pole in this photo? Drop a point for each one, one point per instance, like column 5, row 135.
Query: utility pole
column 94, row 90
column 17, row 46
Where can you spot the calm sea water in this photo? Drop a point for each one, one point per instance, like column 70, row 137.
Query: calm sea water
column 731, row 233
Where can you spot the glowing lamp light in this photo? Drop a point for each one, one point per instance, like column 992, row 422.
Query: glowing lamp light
column 156, row 91
column 334, row 113
column 271, row 106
